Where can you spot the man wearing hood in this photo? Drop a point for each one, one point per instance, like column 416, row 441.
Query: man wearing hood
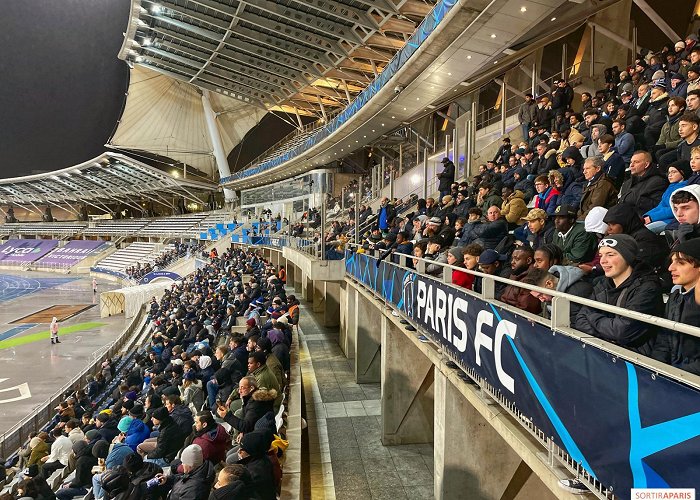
column 521, row 262
column 446, row 177
column 678, row 349
column 685, row 206
column 564, row 279
column 253, row 455
column 82, row 480
column 599, row 190
column 233, row 483
column 630, row 284
column 523, row 184
column 646, row 185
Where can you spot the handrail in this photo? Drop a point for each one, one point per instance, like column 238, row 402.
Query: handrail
column 646, row 318
column 13, row 438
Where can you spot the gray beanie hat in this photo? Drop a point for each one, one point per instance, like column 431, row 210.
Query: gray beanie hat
column 624, row 244
column 192, row 456
column 457, row 253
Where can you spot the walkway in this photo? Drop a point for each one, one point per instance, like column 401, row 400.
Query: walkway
column 347, row 459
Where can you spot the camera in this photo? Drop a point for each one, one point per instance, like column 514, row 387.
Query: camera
column 398, row 89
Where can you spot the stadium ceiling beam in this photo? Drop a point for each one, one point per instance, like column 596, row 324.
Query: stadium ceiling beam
column 344, row 74
column 234, row 90
column 372, row 54
column 297, row 50
column 385, row 5
column 396, row 25
column 241, row 52
column 415, row 8
column 233, row 78
column 341, row 11
column 258, row 72
column 332, row 29
column 383, row 41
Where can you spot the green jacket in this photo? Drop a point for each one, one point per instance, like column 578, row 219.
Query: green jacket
column 267, row 379
column 578, row 246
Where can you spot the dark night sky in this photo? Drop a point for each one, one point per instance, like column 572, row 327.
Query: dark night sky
column 62, row 87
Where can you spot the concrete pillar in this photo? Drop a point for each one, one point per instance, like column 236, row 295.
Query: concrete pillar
column 346, row 338
column 407, row 388
column 290, row 268
column 319, row 296
column 331, row 306
column 367, row 334
column 297, row 276
column 471, row 459
column 308, row 291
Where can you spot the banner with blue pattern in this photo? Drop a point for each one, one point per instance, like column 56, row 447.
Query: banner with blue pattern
column 626, row 425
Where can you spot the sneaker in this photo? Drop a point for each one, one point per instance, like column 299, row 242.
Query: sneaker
column 404, row 321
column 423, row 338
column 451, row 364
column 52, row 341
column 573, row 486
column 410, row 328
column 58, row 341
column 395, row 314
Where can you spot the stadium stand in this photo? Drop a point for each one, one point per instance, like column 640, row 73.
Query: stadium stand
column 123, row 258
column 116, row 227
column 175, row 369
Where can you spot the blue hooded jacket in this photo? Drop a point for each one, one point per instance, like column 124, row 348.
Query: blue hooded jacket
column 138, row 432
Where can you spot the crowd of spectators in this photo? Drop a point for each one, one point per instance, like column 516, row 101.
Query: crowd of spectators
column 601, row 204
column 163, row 260
column 194, row 417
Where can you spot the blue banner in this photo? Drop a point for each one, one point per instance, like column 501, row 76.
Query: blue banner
column 627, row 426
column 154, row 275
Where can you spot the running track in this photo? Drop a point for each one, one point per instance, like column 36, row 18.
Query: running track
column 12, row 287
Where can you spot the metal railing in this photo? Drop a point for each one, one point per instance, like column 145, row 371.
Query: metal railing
column 560, row 309
column 558, row 323
column 12, row 439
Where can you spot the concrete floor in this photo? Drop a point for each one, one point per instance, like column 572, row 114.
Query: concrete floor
column 347, row 458
column 26, row 354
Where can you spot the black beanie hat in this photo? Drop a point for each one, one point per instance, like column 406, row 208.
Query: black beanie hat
column 100, row 449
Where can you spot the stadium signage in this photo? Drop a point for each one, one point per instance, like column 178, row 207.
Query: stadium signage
column 626, row 425
column 72, row 253
column 21, row 250
column 159, row 275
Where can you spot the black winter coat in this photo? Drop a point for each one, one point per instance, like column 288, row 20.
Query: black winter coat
column 678, row 349
column 195, row 485
column 641, row 292
column 261, row 470
column 254, row 407
column 170, row 439
column 645, row 191
column 237, row 490
column 447, row 177
column 490, row 234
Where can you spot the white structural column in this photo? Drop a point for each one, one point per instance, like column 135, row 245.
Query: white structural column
column 218, row 148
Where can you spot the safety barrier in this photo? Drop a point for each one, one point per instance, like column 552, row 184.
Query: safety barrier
column 614, row 417
column 12, row 439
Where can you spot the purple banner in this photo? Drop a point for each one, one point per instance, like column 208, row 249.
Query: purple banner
column 72, row 253
column 25, row 250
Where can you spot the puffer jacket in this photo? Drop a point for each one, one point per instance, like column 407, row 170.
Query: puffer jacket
column 254, row 407
column 640, row 292
column 644, row 191
column 138, row 432
column 520, row 297
column 514, row 208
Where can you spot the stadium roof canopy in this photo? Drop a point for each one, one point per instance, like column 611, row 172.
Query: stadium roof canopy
column 298, row 56
column 108, row 178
